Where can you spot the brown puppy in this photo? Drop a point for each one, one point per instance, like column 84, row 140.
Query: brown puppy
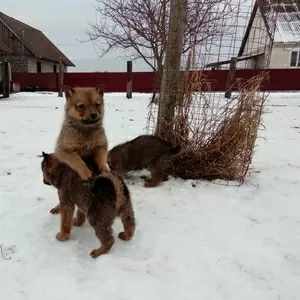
column 105, row 199
column 144, row 152
column 82, row 131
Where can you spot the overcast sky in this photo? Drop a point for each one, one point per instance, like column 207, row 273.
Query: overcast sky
column 63, row 22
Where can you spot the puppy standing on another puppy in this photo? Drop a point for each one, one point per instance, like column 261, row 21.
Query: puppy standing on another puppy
column 107, row 198
column 144, row 152
column 82, row 131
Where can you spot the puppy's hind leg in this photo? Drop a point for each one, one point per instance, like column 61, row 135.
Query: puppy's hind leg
column 157, row 177
column 158, row 172
column 128, row 220
column 102, row 221
column 106, row 238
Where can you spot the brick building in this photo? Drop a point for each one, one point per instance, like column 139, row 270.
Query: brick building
column 28, row 49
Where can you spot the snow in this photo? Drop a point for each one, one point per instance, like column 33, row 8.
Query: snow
column 205, row 242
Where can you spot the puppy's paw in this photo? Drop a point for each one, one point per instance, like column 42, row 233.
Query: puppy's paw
column 55, row 210
column 150, row 184
column 97, row 252
column 88, row 182
column 62, row 236
column 122, row 235
column 86, row 175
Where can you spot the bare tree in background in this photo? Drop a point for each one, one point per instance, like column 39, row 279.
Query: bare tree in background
column 141, row 27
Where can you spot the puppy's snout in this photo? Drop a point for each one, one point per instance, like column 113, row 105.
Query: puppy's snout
column 93, row 116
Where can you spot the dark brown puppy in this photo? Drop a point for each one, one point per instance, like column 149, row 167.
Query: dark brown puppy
column 105, row 199
column 144, row 152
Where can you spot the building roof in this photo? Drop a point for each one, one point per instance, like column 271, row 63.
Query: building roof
column 287, row 28
column 34, row 40
column 287, row 6
column 5, row 48
column 288, row 21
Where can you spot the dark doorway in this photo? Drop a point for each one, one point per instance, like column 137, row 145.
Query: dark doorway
column 39, row 67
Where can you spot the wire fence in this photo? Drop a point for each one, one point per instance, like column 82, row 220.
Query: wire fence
column 217, row 130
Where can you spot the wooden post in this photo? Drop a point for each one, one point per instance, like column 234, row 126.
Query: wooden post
column 129, row 80
column 10, row 81
column 230, row 78
column 5, row 79
column 171, row 73
column 60, row 78
column 2, row 75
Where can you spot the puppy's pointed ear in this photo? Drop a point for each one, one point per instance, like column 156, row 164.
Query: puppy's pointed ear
column 69, row 91
column 46, row 156
column 100, row 90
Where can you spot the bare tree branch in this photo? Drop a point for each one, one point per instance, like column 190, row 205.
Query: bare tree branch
column 140, row 27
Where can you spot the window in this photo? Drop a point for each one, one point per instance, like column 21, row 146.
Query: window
column 295, row 59
column 39, row 67
column 54, row 69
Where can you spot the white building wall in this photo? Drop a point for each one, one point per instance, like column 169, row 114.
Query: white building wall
column 46, row 66
column 32, row 65
column 281, row 56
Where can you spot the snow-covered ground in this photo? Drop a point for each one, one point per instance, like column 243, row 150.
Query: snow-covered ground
column 205, row 242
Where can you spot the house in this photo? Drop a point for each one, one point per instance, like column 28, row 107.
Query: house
column 28, row 49
column 285, row 52
column 261, row 49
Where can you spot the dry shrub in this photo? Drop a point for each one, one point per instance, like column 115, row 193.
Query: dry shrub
column 218, row 135
column 227, row 153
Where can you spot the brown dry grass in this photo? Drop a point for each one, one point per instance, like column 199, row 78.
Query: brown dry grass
column 227, row 153
column 218, row 135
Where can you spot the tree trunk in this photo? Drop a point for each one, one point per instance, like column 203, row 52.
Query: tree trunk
column 157, row 83
column 170, row 82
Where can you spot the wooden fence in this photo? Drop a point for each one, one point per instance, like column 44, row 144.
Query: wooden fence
column 143, row 82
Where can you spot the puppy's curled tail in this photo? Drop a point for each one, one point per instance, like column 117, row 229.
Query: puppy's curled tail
column 175, row 149
column 102, row 186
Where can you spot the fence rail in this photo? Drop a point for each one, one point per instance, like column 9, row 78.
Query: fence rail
column 143, row 82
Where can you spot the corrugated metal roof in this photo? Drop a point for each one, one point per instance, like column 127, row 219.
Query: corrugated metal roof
column 288, row 19
column 287, row 28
